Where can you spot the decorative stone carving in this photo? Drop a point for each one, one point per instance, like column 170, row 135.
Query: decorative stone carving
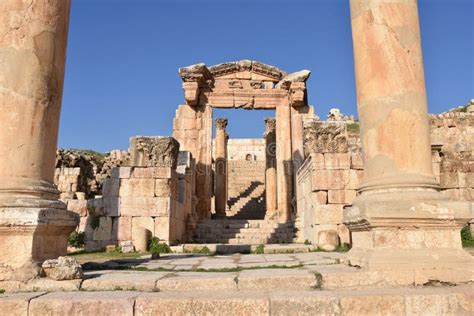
column 235, row 84
column 322, row 137
column 270, row 125
column 247, row 65
column 221, row 123
column 299, row 76
column 153, row 151
column 256, row 84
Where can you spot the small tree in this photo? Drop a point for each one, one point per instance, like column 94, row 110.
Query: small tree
column 76, row 239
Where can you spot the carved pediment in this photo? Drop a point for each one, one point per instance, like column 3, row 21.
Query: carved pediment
column 272, row 73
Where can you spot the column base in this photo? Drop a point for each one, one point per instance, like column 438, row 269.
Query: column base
column 416, row 230
column 32, row 230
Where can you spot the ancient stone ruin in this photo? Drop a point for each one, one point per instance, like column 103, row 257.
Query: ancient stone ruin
column 395, row 186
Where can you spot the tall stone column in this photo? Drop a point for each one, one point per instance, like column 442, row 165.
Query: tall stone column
column 34, row 225
column 221, row 167
column 284, row 162
column 399, row 221
column 270, row 169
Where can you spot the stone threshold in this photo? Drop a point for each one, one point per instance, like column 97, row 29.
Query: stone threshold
column 457, row 300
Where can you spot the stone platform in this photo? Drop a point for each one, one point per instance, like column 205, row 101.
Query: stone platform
column 258, row 284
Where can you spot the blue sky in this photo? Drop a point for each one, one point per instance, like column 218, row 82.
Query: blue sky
column 123, row 58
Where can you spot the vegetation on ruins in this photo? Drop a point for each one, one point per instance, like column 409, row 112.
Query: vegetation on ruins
column 156, row 247
column 466, row 237
column 260, row 249
column 94, row 222
column 77, row 239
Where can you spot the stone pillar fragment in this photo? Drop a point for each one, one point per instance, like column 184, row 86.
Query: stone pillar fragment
column 221, row 167
column 34, row 225
column 400, row 221
column 270, row 169
column 284, row 162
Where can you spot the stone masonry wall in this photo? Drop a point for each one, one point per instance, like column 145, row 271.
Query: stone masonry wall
column 328, row 179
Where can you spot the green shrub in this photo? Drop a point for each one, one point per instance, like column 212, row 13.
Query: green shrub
column 466, row 237
column 204, row 250
column 260, row 249
column 158, row 247
column 307, row 242
column 76, row 239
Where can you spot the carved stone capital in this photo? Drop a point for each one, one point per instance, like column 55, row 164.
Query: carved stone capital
column 191, row 92
column 221, row 123
column 320, row 137
column 154, row 151
column 270, row 125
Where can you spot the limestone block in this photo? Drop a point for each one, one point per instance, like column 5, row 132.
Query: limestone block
column 144, row 206
column 123, row 228
column 137, row 187
column 154, row 173
column 320, row 197
column 142, row 222
column 317, row 160
column 328, row 240
column 110, row 187
column 16, row 304
column 355, row 178
column 84, row 303
column 153, row 151
column 163, row 228
column 104, row 231
column 121, row 172
column 330, row 179
column 63, row 268
column 162, row 187
column 185, row 111
column 328, row 214
column 356, row 160
column 337, row 161
column 451, row 180
column 341, row 196
column 344, row 234
column 366, row 305
column 77, row 206
column 111, row 206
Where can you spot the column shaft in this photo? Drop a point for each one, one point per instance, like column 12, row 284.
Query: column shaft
column 391, row 94
column 270, row 168
column 33, row 223
column 221, row 167
column 284, row 163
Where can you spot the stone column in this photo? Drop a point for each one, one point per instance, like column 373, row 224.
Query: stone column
column 400, row 221
column 34, row 225
column 270, row 170
column 221, row 167
column 284, row 163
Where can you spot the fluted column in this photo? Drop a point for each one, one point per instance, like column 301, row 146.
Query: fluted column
column 270, row 168
column 221, row 167
column 399, row 221
column 33, row 224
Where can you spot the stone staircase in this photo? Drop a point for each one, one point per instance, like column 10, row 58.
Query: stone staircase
column 240, row 231
column 250, row 204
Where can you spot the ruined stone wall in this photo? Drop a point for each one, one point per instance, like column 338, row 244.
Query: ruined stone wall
column 241, row 149
column 329, row 177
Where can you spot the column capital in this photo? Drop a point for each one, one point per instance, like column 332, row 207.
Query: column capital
column 270, row 125
column 221, row 123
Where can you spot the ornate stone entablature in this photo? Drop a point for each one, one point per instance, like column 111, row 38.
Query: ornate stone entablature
column 322, row 137
column 153, row 151
column 243, row 84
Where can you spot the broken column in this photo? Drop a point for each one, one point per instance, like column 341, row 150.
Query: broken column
column 400, row 221
column 34, row 225
column 221, row 167
column 270, row 170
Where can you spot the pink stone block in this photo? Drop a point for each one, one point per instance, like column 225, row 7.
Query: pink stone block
column 137, row 187
column 336, row 161
column 341, row 196
column 330, row 179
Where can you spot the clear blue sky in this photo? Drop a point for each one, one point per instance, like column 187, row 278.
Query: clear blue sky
column 123, row 58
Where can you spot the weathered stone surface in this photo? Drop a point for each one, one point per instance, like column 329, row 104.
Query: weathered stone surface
column 63, row 268
column 16, row 304
column 153, row 151
column 84, row 303
column 123, row 281
column 274, row 278
column 324, row 137
column 189, row 281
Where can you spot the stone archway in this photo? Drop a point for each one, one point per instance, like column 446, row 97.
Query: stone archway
column 249, row 85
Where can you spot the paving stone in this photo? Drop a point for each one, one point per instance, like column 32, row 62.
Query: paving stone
column 133, row 280
column 198, row 281
column 251, row 258
column 16, row 304
column 217, row 265
column 278, row 257
column 163, row 303
column 222, row 303
column 49, row 285
column 275, row 278
column 84, row 303
column 304, row 303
